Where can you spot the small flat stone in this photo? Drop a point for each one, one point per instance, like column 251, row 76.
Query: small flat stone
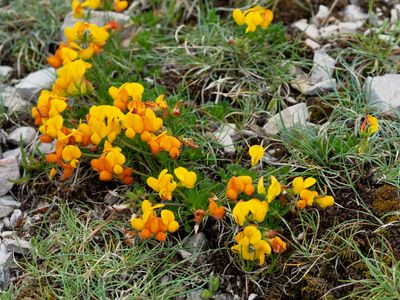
column 9, row 170
column 311, row 44
column 45, row 148
column 197, row 242
column 329, row 31
column 224, row 136
column 14, row 154
column 5, row 71
column 322, row 14
column 383, row 91
column 9, row 201
column 31, row 85
column 17, row 245
column 324, row 65
column 321, row 88
column 310, row 30
column 353, row 13
column 12, row 100
column 16, row 218
column 26, row 133
column 5, row 211
column 350, row 27
column 294, row 115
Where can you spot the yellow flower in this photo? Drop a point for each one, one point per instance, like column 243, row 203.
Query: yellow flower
column 119, row 5
column 52, row 126
column 308, row 196
column 260, row 186
column 93, row 4
column 53, row 172
column 168, row 219
column 70, row 79
column 238, row 16
column 370, row 125
column 300, row 184
column 187, row 179
column 250, row 245
column 71, row 154
column 257, row 208
column 253, row 17
column 77, row 9
column 325, row 202
column 256, row 153
column 274, row 189
column 164, row 185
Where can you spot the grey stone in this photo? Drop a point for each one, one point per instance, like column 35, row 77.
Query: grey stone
column 100, row 18
column 350, row 27
column 14, row 154
column 9, row 201
column 6, row 260
column 5, row 71
column 17, row 245
column 195, row 295
column 353, row 13
column 311, row 44
column 12, row 100
column 287, row 118
column 27, row 134
column 45, row 148
column 383, row 91
column 9, row 170
column 302, row 81
column 322, row 14
column 329, row 31
column 324, row 65
column 5, row 211
column 197, row 242
column 310, row 30
column 252, row 296
column 224, row 136
column 31, row 85
column 321, row 87
column 224, row 296
column 394, row 16
column 16, row 218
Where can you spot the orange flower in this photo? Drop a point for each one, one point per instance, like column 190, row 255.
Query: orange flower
column 198, row 215
column 217, row 212
column 239, row 184
column 278, row 246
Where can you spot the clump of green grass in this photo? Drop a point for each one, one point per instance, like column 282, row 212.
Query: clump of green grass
column 28, row 30
column 70, row 261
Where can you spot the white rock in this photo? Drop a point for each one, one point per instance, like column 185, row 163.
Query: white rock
column 224, row 136
column 329, row 31
column 99, row 18
column 9, row 170
column 310, row 30
column 394, row 16
column 353, row 13
column 6, row 260
column 12, row 100
column 322, row 14
column 16, row 218
column 287, row 118
column 349, row 27
column 45, row 148
column 383, row 91
column 14, row 154
column 324, row 65
column 386, row 38
column 17, row 245
column 5, row 71
column 5, row 211
column 321, row 87
column 311, row 44
column 27, row 134
column 31, row 85
column 9, row 201
column 301, row 81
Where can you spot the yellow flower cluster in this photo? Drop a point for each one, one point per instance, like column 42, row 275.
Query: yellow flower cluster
column 150, row 225
column 253, row 17
column 165, row 185
column 308, row 197
column 78, row 7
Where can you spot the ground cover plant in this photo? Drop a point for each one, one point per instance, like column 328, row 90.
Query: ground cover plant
column 173, row 173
